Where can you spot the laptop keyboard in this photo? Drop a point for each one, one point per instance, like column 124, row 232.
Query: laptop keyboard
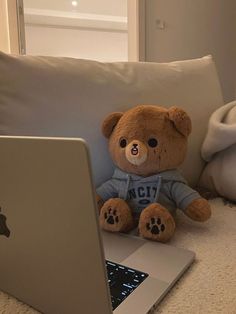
column 122, row 281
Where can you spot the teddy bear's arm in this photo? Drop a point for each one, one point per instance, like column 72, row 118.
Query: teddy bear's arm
column 108, row 190
column 182, row 194
column 198, row 210
column 190, row 201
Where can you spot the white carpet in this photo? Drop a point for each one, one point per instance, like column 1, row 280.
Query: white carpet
column 209, row 286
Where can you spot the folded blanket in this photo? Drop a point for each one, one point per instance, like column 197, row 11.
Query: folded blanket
column 219, row 147
column 221, row 131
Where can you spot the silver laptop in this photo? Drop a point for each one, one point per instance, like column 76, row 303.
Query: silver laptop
column 52, row 255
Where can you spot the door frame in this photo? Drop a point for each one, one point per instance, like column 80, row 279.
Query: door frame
column 136, row 30
column 12, row 37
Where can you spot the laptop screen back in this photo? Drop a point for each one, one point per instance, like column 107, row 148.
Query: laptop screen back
column 51, row 256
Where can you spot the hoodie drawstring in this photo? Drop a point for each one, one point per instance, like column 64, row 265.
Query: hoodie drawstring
column 158, row 186
column 127, row 187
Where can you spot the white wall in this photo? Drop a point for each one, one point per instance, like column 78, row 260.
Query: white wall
column 194, row 28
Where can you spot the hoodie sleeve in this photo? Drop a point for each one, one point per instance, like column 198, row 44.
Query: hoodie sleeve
column 107, row 190
column 183, row 195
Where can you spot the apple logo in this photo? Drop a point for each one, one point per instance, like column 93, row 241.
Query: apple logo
column 3, row 226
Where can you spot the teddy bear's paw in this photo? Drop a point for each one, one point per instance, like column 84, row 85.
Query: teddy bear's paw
column 115, row 216
column 199, row 210
column 156, row 223
column 155, row 226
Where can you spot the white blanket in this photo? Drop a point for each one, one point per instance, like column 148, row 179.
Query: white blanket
column 219, row 148
column 221, row 131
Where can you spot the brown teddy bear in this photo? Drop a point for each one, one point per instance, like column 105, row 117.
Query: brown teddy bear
column 147, row 144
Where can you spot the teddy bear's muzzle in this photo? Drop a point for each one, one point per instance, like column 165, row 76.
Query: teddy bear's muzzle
column 136, row 152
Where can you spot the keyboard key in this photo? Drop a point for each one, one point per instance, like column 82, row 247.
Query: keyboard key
column 122, row 281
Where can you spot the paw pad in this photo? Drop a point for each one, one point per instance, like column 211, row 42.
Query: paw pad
column 155, row 226
column 111, row 216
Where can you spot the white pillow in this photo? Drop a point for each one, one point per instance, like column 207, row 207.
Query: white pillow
column 219, row 148
column 52, row 96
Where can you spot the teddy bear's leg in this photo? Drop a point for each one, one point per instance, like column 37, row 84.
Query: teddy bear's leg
column 116, row 216
column 156, row 223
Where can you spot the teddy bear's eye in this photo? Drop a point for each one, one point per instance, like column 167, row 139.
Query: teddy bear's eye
column 123, row 142
column 152, row 142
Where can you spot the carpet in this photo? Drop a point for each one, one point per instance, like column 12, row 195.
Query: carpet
column 209, row 286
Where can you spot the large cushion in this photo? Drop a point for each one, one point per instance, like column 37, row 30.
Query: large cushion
column 51, row 96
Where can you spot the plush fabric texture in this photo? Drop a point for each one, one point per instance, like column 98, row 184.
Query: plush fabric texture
column 139, row 125
column 52, row 96
column 146, row 143
column 209, row 284
column 221, row 132
column 156, row 217
column 219, row 147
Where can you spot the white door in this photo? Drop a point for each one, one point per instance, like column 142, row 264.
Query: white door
column 87, row 29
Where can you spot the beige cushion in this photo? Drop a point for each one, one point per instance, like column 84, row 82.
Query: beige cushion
column 48, row 96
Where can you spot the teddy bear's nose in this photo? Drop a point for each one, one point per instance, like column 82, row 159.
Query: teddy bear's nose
column 135, row 145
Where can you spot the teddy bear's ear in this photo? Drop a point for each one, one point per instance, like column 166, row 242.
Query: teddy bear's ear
column 110, row 122
column 181, row 120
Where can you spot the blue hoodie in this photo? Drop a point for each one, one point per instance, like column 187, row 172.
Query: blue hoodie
column 168, row 188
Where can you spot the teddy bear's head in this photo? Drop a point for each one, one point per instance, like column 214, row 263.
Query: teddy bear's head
column 147, row 139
